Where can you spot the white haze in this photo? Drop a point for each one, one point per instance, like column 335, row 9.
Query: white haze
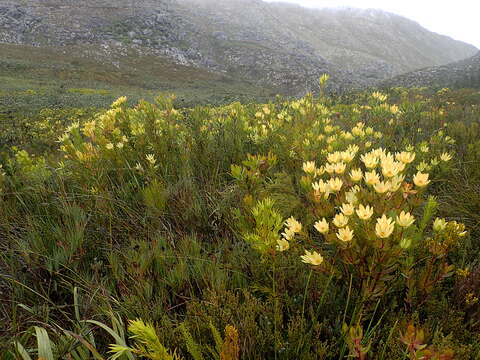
column 458, row 19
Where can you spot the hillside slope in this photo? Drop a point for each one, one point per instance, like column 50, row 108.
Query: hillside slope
column 35, row 77
column 282, row 45
column 460, row 74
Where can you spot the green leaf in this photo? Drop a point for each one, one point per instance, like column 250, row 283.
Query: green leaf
column 44, row 344
column 117, row 338
column 23, row 353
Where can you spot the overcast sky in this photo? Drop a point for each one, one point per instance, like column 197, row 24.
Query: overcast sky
column 459, row 19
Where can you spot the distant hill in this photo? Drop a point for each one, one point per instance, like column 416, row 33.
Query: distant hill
column 460, row 74
column 274, row 45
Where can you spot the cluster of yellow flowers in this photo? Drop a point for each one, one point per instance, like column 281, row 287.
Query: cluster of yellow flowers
column 292, row 227
column 120, row 135
column 389, row 165
column 439, row 225
column 384, row 173
column 379, row 96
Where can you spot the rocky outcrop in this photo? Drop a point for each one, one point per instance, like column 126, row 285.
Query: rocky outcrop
column 283, row 45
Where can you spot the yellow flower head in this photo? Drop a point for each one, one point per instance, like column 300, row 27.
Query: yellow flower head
column 320, row 186
column 312, row 258
column 340, row 168
column 282, row 245
column 384, row 227
column 445, row 157
column 309, row 167
column 346, row 135
column 405, row 219
column 358, row 131
column 434, row 161
column 364, row 212
column 459, row 228
column 424, row 148
column 396, row 182
column 394, row 109
column 371, row 178
column 370, row 160
column 347, row 209
column 385, row 157
column 293, row 225
column 353, row 148
column 322, row 226
column 379, row 96
column 109, row 146
column 331, row 139
column 330, row 168
column 348, row 155
column 463, row 272
column 63, row 137
column 405, row 157
column 89, row 128
column 334, row 157
column 421, row 179
column 328, row 129
column 320, row 171
column 335, row 184
column 151, row 159
column 382, row 187
column 121, row 100
column 356, row 175
column 439, row 224
column 345, row 234
column 324, row 78
column 351, row 197
column 391, row 168
column 340, row 220
column 288, row 234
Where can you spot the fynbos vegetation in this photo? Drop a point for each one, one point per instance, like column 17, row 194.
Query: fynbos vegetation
column 316, row 228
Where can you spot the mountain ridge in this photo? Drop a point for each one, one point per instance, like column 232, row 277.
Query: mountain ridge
column 282, row 45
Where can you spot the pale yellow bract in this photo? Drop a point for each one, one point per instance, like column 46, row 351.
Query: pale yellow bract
column 421, row 179
column 384, row 227
column 340, row 220
column 345, row 234
column 322, row 226
column 312, row 258
column 364, row 212
column 405, row 219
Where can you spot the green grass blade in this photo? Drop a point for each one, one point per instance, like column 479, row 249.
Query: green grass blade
column 23, row 353
column 117, row 338
column 44, row 344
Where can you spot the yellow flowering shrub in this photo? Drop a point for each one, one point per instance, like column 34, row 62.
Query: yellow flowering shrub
column 360, row 206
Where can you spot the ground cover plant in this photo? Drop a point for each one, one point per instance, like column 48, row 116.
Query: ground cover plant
column 315, row 228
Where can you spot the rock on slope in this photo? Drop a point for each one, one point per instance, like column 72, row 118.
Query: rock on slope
column 283, row 45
